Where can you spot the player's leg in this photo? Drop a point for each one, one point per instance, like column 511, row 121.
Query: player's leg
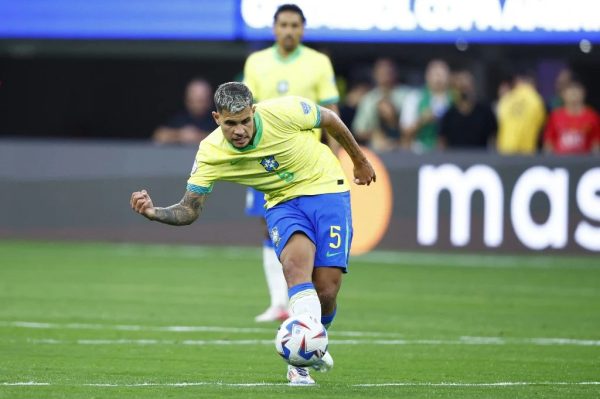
column 293, row 237
column 334, row 237
column 278, row 289
column 327, row 281
column 276, row 284
column 297, row 258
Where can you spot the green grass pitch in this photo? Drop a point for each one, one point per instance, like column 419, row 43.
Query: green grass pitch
column 82, row 320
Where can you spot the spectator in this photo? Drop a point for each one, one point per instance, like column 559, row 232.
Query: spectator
column 575, row 127
column 426, row 107
column 521, row 116
column 352, row 98
column 193, row 124
column 504, row 88
column 467, row 123
column 564, row 77
column 376, row 120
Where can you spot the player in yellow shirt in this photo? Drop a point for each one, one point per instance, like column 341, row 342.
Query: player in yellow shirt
column 286, row 68
column 269, row 146
column 290, row 68
column 282, row 174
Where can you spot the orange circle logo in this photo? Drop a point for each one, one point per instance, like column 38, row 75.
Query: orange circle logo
column 371, row 205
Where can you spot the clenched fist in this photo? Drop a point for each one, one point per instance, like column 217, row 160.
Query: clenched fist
column 142, row 204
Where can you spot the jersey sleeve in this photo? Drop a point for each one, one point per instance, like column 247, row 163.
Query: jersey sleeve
column 327, row 92
column 299, row 113
column 203, row 174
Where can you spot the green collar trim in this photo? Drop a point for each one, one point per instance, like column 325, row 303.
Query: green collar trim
column 256, row 140
column 329, row 101
column 291, row 57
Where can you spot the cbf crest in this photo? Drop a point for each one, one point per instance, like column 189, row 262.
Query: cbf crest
column 282, row 87
column 269, row 163
column 275, row 237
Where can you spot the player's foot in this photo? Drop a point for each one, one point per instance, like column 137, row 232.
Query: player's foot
column 324, row 364
column 299, row 376
column 273, row 313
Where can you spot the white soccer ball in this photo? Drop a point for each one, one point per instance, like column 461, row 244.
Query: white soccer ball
column 301, row 340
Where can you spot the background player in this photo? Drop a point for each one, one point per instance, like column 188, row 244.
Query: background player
column 286, row 68
column 269, row 146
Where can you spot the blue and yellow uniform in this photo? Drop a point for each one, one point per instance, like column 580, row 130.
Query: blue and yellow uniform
column 296, row 173
column 305, row 72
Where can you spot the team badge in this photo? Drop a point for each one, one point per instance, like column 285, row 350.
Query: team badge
column 194, row 167
column 269, row 163
column 305, row 107
column 275, row 237
column 283, row 86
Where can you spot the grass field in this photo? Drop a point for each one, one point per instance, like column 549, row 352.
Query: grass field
column 142, row 321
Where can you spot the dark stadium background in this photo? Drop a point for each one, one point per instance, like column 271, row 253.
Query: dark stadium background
column 123, row 90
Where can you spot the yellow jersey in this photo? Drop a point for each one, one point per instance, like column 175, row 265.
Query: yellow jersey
column 305, row 72
column 283, row 160
column 521, row 115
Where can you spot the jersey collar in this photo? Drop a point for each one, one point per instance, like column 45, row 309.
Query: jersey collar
column 257, row 136
column 291, row 57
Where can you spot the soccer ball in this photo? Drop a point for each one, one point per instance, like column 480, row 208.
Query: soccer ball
column 301, row 340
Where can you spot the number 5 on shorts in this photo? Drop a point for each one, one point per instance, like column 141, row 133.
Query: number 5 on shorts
column 334, row 233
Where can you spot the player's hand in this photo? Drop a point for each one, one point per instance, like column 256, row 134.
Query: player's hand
column 142, row 204
column 364, row 173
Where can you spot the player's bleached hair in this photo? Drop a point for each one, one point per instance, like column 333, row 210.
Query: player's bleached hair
column 233, row 97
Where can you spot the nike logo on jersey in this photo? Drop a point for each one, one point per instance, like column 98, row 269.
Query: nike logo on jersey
column 330, row 254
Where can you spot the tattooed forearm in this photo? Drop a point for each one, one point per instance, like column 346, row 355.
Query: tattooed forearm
column 183, row 213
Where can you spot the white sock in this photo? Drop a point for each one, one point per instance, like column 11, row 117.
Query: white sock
column 278, row 290
column 304, row 299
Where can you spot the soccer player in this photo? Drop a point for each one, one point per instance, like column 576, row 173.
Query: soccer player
column 269, row 146
column 286, row 68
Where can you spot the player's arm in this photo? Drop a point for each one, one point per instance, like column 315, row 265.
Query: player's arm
column 183, row 213
column 332, row 144
column 363, row 171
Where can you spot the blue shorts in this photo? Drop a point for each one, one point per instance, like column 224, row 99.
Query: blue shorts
column 255, row 203
column 325, row 219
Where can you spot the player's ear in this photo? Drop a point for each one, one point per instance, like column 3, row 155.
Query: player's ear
column 253, row 108
column 216, row 116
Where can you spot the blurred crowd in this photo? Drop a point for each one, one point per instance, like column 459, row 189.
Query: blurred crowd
column 446, row 112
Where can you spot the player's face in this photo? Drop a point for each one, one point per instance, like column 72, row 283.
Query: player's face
column 237, row 128
column 288, row 30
